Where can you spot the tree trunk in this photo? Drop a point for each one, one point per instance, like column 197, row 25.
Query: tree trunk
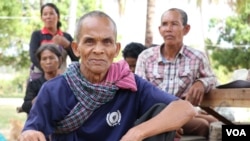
column 41, row 3
column 72, row 17
column 203, row 46
column 121, row 7
column 149, row 22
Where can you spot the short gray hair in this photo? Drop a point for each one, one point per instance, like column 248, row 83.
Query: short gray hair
column 94, row 13
column 184, row 16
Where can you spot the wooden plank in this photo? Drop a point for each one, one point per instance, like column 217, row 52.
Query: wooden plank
column 235, row 97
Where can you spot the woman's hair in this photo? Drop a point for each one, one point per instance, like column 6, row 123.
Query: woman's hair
column 51, row 47
column 133, row 50
column 59, row 24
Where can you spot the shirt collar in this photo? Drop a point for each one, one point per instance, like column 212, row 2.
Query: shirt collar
column 161, row 59
column 46, row 31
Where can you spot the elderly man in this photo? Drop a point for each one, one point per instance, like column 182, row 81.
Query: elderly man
column 97, row 99
column 178, row 69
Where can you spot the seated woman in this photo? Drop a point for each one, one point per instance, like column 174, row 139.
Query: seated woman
column 50, row 60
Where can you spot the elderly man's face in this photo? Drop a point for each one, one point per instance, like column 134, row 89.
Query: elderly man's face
column 171, row 29
column 97, row 45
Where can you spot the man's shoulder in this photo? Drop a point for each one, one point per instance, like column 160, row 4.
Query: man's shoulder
column 140, row 81
column 193, row 52
column 57, row 81
column 150, row 52
column 192, row 49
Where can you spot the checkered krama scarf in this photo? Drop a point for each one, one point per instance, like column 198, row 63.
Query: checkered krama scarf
column 92, row 96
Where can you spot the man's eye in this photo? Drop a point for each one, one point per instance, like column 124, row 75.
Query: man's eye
column 175, row 23
column 107, row 41
column 88, row 41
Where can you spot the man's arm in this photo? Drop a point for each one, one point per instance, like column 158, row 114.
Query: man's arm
column 173, row 117
column 206, row 80
column 206, row 75
column 195, row 93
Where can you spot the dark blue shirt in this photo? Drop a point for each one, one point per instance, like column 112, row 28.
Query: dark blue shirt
column 108, row 123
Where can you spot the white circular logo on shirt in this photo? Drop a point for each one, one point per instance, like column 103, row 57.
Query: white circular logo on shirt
column 113, row 118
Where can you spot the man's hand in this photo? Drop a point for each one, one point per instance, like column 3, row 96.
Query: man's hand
column 195, row 93
column 179, row 133
column 31, row 135
column 132, row 135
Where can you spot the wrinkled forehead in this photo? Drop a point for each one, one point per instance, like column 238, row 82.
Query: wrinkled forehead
column 98, row 26
column 98, row 21
column 173, row 14
column 93, row 25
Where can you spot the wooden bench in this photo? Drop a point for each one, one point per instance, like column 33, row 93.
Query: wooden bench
column 228, row 97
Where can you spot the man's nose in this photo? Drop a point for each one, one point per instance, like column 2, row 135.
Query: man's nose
column 98, row 48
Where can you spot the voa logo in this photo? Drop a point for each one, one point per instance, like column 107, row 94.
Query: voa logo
column 236, row 132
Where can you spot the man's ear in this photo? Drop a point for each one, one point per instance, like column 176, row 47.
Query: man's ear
column 118, row 48
column 186, row 29
column 75, row 49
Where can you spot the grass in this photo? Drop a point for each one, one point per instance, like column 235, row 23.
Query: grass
column 7, row 115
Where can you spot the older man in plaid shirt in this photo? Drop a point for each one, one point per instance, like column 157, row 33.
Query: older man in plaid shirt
column 179, row 69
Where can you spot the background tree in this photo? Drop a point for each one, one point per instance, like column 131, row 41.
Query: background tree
column 235, row 31
column 14, row 23
column 149, row 22
column 150, row 13
column 20, row 18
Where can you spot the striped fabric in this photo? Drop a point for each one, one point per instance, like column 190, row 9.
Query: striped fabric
column 177, row 75
column 92, row 96
column 120, row 74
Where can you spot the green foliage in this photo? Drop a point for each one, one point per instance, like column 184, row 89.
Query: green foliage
column 242, row 8
column 235, row 31
column 15, row 31
column 14, row 87
column 20, row 18
column 231, row 58
column 83, row 6
column 8, row 25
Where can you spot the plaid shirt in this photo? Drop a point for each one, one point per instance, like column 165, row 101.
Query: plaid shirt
column 176, row 76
